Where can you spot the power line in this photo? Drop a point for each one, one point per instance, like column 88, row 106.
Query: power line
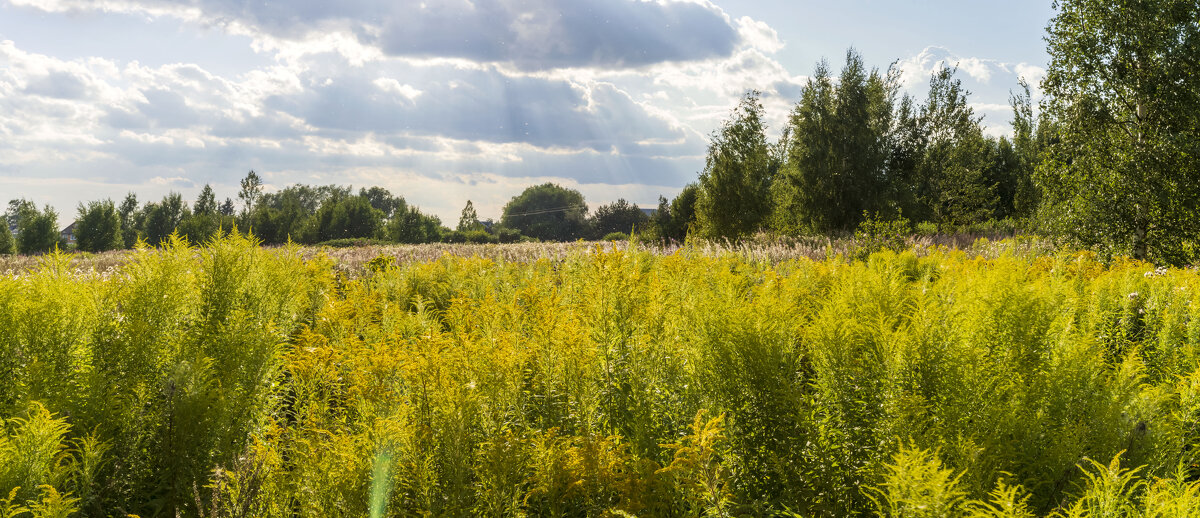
column 546, row 211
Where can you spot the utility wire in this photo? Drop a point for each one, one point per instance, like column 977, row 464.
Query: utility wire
column 546, row 211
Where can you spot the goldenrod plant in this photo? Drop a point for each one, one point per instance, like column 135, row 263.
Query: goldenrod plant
column 223, row 379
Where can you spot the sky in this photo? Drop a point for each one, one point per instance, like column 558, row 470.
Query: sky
column 441, row 101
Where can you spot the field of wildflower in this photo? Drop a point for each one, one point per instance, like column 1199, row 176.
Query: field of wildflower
column 598, row 380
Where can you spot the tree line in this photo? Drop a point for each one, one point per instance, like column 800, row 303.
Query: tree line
column 306, row 214
column 1112, row 161
column 854, row 148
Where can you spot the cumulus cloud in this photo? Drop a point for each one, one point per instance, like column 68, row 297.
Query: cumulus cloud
column 57, row 84
column 159, row 126
column 549, row 33
column 437, row 100
column 759, row 35
column 1033, row 75
column 530, row 34
column 916, row 70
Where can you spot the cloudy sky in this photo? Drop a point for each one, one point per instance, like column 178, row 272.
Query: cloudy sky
column 443, row 101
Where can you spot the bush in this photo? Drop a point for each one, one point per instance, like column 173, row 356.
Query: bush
column 470, row 236
column 875, row 234
column 615, row 236
column 509, row 235
column 927, row 228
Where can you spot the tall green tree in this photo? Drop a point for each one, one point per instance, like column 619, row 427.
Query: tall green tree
column 351, row 217
column 941, row 157
column 227, row 207
column 38, row 231
column 836, row 150
column 548, row 212
column 98, row 227
column 409, row 225
column 17, row 209
column 683, row 210
column 862, row 124
column 130, row 216
column 206, row 220
column 206, row 203
column 1123, row 89
column 619, row 216
column 469, row 220
column 734, row 198
column 805, row 186
column 163, row 218
column 8, row 245
column 1026, row 150
column 252, row 188
column 383, row 200
column 662, row 224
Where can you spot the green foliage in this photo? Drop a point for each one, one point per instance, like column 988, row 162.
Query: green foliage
column 469, row 220
column 382, row 200
column 734, row 191
column 474, row 236
column 98, row 227
column 284, row 217
column 917, row 485
column 673, row 219
column 547, row 212
column 1110, row 490
column 250, row 193
column 1121, row 171
column 697, row 471
column 619, row 216
column 948, row 177
column 1004, row 502
column 17, row 209
column 37, row 232
column 201, row 228
column 683, row 211
column 233, row 380
column 409, row 225
column 508, row 235
column 163, row 219
column 349, row 217
column 130, row 216
column 836, row 149
column 875, row 235
column 206, row 203
column 8, row 245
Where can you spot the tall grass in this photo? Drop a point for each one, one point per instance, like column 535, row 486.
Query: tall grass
column 231, row 380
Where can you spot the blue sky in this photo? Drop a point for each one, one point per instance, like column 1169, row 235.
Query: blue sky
column 442, row 101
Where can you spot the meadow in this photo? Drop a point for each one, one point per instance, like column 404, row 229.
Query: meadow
column 232, row 380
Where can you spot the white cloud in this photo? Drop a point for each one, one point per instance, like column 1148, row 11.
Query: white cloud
column 917, row 69
column 759, row 35
column 978, row 69
column 535, row 34
column 390, row 85
column 1032, row 74
column 612, row 96
column 990, row 107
